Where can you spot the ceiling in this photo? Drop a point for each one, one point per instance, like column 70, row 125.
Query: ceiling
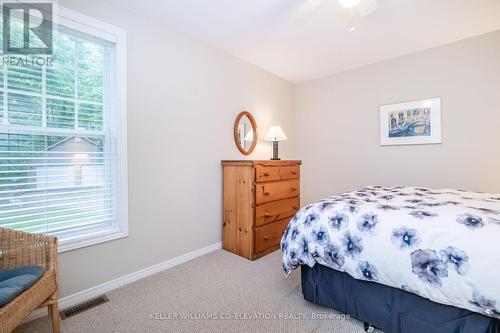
column 263, row 32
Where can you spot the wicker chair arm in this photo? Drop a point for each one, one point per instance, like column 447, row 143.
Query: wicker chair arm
column 20, row 249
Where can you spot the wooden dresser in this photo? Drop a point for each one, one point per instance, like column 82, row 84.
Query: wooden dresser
column 259, row 199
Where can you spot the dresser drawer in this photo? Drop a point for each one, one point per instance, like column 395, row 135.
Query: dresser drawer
column 289, row 172
column 275, row 191
column 269, row 235
column 267, row 174
column 270, row 174
column 277, row 210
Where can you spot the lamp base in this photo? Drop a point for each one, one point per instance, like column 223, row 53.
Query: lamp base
column 275, row 152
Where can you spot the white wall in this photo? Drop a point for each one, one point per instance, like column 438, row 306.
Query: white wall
column 183, row 98
column 338, row 122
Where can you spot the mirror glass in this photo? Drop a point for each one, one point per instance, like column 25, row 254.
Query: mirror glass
column 245, row 133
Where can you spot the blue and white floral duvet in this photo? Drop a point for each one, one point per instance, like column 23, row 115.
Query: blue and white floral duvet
column 440, row 244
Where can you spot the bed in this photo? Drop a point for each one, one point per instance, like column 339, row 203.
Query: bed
column 404, row 259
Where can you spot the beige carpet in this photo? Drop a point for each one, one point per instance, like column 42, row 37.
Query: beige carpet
column 216, row 283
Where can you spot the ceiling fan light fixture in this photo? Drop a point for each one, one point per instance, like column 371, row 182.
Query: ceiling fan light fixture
column 350, row 3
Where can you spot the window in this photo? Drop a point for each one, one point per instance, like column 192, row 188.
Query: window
column 62, row 136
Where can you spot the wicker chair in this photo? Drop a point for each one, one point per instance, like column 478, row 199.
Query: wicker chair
column 21, row 249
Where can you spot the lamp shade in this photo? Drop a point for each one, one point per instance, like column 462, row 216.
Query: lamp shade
column 275, row 133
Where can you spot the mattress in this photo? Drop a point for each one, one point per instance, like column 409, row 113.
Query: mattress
column 437, row 244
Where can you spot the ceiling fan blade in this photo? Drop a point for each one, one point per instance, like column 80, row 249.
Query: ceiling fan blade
column 367, row 7
column 306, row 10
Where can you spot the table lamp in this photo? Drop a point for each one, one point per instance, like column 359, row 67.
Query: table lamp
column 275, row 134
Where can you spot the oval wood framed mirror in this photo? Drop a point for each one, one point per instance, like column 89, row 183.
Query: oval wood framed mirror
column 245, row 133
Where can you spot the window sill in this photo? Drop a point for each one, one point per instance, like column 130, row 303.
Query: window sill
column 89, row 239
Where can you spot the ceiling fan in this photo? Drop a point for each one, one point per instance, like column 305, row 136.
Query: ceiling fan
column 363, row 8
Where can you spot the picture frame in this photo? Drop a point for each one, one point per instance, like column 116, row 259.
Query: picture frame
column 411, row 123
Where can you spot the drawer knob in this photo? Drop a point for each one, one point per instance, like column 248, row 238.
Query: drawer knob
column 266, row 238
column 267, row 215
column 266, row 193
column 294, row 189
column 266, row 174
column 295, row 207
column 294, row 172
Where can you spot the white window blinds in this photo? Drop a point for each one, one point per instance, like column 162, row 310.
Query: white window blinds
column 58, row 138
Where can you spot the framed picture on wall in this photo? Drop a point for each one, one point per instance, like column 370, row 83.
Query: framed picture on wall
column 411, row 123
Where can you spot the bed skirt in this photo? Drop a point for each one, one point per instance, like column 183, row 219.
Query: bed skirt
column 392, row 310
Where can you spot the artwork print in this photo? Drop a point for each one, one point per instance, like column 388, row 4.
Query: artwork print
column 412, row 122
column 416, row 122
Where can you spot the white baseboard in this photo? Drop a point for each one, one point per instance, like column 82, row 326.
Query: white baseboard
column 98, row 290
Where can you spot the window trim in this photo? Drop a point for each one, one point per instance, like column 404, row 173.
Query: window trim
column 91, row 26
